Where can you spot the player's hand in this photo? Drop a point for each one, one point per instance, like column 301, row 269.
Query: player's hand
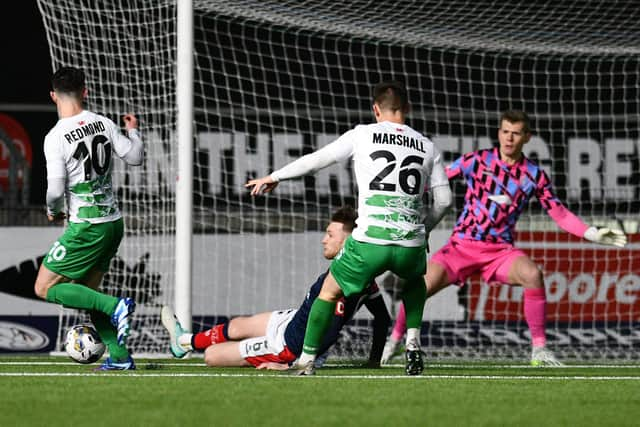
column 262, row 185
column 606, row 236
column 130, row 121
column 273, row 366
column 57, row 218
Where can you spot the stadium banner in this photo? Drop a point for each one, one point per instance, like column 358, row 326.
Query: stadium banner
column 587, row 165
column 144, row 264
column 439, row 334
column 28, row 334
column 583, row 281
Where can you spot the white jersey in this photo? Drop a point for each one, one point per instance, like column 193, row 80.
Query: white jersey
column 80, row 150
column 394, row 166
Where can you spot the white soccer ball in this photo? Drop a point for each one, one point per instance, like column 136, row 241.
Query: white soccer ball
column 83, row 344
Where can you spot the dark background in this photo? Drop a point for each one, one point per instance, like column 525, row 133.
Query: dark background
column 24, row 77
column 26, row 70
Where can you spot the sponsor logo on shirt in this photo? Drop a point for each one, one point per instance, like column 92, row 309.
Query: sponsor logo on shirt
column 501, row 199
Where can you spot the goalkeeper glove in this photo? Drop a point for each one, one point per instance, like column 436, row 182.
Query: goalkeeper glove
column 606, row 236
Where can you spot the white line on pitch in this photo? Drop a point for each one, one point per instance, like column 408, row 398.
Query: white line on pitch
column 333, row 365
column 363, row 377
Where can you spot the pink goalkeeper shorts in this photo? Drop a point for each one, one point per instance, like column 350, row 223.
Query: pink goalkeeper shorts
column 463, row 257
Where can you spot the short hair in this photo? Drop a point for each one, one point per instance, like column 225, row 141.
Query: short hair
column 68, row 80
column 347, row 216
column 391, row 95
column 517, row 116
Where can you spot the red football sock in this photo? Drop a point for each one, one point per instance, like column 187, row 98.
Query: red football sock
column 215, row 335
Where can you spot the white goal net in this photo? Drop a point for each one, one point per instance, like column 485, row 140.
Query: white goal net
column 277, row 79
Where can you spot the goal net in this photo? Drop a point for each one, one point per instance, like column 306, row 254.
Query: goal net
column 274, row 80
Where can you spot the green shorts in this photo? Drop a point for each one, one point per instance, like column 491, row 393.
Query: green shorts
column 358, row 263
column 84, row 247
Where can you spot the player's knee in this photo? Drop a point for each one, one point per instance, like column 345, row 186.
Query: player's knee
column 237, row 327
column 209, row 357
column 436, row 280
column 532, row 277
column 41, row 289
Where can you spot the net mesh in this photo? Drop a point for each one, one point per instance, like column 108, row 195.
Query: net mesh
column 274, row 80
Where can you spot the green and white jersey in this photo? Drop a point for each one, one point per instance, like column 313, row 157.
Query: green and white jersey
column 79, row 149
column 394, row 165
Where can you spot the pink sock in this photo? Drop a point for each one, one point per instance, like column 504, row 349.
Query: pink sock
column 400, row 326
column 535, row 304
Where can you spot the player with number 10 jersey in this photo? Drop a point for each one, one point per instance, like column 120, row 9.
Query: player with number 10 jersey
column 80, row 148
column 79, row 152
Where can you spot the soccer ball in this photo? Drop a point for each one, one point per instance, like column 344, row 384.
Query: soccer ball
column 83, row 344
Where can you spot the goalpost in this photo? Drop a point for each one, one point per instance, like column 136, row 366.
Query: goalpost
column 273, row 80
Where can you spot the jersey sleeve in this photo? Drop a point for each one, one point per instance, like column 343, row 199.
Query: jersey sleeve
column 544, row 192
column 460, row 165
column 556, row 210
column 340, row 149
column 56, row 165
column 56, row 174
column 438, row 174
column 128, row 149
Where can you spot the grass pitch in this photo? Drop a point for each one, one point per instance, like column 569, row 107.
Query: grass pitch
column 53, row 391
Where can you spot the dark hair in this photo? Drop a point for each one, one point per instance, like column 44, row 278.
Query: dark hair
column 517, row 116
column 68, row 80
column 346, row 215
column 391, row 95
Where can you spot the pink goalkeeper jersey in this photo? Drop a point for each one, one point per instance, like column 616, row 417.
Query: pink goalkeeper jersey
column 497, row 193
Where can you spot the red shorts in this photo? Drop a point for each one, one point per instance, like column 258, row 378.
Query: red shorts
column 463, row 257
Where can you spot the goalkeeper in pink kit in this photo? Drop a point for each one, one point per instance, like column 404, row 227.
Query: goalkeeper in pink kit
column 500, row 182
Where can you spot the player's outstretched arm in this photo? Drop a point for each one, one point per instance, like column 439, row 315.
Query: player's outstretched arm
column 574, row 225
column 606, row 236
column 305, row 165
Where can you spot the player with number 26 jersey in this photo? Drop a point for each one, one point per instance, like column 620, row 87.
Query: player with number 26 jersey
column 393, row 164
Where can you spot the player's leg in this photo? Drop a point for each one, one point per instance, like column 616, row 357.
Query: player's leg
column 78, row 251
column 236, row 329
column 320, row 318
column 411, row 265
column 444, row 268
column 523, row 271
column 224, row 354
column 413, row 297
column 118, row 353
column 248, row 326
column 256, row 351
column 60, row 289
column 393, row 342
column 350, row 272
column 436, row 279
column 81, row 256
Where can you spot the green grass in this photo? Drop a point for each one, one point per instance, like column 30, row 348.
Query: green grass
column 169, row 393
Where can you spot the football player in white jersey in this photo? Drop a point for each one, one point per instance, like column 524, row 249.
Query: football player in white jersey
column 79, row 151
column 394, row 165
